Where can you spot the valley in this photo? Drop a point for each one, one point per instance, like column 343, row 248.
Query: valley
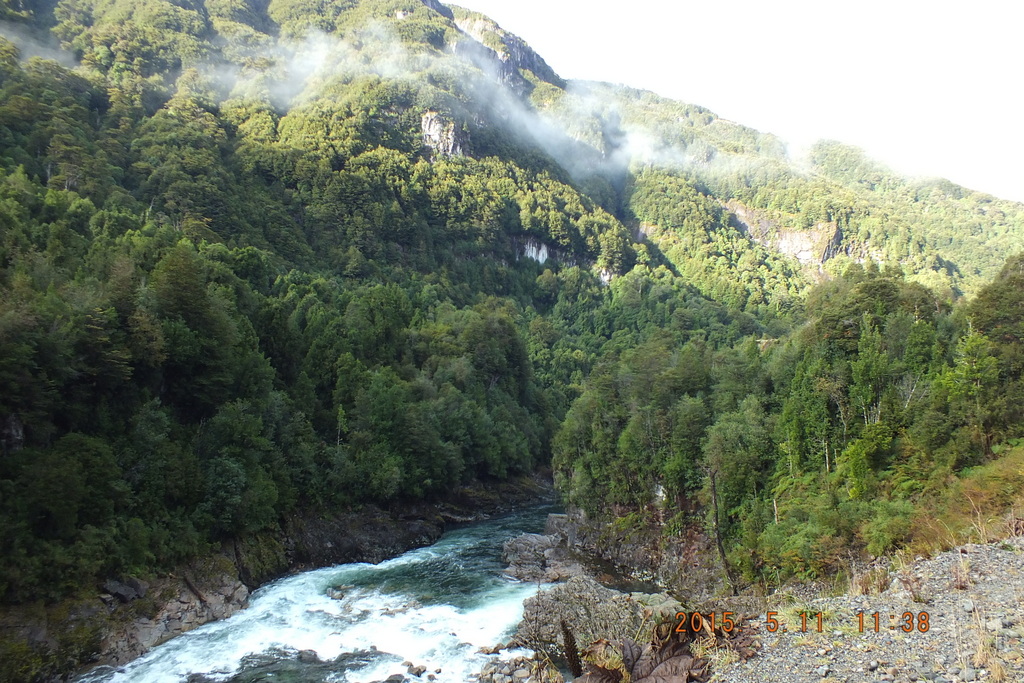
column 296, row 283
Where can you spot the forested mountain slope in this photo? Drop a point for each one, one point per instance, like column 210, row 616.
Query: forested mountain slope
column 262, row 259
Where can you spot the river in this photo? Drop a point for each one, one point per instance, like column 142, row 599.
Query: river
column 433, row 606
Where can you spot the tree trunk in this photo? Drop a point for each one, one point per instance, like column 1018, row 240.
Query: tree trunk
column 718, row 534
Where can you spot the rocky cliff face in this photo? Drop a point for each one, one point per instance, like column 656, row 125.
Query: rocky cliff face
column 811, row 247
column 12, row 434
column 443, row 135
column 533, row 248
column 507, row 53
column 683, row 563
column 128, row 617
column 179, row 604
column 438, row 7
column 591, row 610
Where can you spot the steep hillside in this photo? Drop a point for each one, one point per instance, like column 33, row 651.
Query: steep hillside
column 265, row 261
column 834, row 208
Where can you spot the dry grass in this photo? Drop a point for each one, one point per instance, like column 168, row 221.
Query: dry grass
column 961, row 571
column 603, row 654
column 790, row 619
column 544, row 671
column 983, row 653
column 905, row 575
column 997, row 672
column 985, row 658
column 972, row 508
column 913, row 585
column 719, row 654
column 872, row 582
column 1014, row 523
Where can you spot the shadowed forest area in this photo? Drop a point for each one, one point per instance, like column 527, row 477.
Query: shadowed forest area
column 260, row 260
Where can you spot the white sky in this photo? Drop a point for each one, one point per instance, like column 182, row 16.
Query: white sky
column 928, row 88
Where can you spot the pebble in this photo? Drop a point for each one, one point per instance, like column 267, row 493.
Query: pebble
column 517, row 670
column 988, row 610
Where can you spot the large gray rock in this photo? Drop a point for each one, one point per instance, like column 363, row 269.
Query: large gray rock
column 687, row 562
column 179, row 609
column 558, row 525
column 443, row 135
column 538, row 558
column 127, row 590
column 591, row 611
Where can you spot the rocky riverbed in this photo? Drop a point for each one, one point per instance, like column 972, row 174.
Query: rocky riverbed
column 956, row 617
column 973, row 597
column 126, row 616
column 179, row 604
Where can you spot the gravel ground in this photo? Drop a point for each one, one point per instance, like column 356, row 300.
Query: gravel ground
column 974, row 600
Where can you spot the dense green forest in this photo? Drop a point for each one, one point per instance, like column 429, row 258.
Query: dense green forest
column 270, row 259
column 820, row 441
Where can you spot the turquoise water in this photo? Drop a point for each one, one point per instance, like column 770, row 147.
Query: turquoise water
column 434, row 606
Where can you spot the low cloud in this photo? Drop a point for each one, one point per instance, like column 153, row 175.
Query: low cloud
column 30, row 46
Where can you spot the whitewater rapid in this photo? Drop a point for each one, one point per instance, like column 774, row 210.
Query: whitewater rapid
column 434, row 607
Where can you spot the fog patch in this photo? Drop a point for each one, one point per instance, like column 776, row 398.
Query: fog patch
column 30, row 45
column 585, row 131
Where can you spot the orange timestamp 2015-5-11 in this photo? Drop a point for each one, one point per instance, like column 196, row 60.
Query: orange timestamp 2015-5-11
column 908, row 622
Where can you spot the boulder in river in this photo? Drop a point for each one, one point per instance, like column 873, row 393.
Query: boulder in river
column 539, row 558
column 338, row 592
column 591, row 611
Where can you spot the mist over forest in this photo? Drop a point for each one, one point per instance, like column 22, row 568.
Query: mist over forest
column 264, row 261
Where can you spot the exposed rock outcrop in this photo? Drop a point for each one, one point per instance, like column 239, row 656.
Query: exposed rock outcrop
column 812, row 246
column 370, row 535
column 439, row 8
column 519, row 670
column 180, row 604
column 12, row 434
column 533, row 248
column 504, row 53
column 684, row 563
column 304, row 665
column 591, row 611
column 127, row 590
column 443, row 135
column 539, row 558
column 47, row 642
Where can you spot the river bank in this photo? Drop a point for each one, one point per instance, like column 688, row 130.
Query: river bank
column 128, row 616
column 640, row 550
column 426, row 614
column 954, row 617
